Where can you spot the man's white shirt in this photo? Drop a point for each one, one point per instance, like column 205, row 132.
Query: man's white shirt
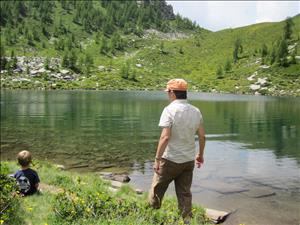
column 184, row 120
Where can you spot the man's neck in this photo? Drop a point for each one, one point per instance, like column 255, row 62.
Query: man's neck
column 24, row 167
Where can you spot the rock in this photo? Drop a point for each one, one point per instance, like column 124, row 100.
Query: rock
column 57, row 76
column 291, row 48
column 121, row 178
column 106, row 174
column 101, row 68
column 61, row 167
column 216, row 216
column 24, row 79
column 257, row 93
column 116, row 184
column 139, row 191
column 68, row 77
column 260, row 193
column 262, row 81
column 264, row 66
column 64, row 72
column 34, row 72
column 41, row 65
column 254, row 87
column 272, row 89
column 42, row 70
column 116, row 177
column 18, row 70
column 251, row 78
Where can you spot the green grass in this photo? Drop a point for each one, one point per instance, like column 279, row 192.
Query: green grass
column 86, row 199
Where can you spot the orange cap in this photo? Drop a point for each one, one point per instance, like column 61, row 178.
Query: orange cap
column 177, row 85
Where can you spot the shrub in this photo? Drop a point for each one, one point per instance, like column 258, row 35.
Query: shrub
column 10, row 200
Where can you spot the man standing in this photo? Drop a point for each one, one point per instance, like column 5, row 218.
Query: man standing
column 175, row 154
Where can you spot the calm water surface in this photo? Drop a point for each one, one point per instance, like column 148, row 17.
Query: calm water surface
column 252, row 159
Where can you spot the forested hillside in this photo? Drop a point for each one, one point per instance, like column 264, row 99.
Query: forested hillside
column 139, row 45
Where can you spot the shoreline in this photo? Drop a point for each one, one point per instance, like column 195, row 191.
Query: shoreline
column 151, row 90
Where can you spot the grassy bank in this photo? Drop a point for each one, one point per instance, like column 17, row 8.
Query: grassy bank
column 72, row 198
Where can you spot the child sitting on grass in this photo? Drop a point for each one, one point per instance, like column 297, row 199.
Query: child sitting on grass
column 28, row 179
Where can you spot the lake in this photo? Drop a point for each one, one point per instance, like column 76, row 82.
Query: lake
column 252, row 156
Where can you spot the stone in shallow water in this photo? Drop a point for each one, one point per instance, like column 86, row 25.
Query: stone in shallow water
column 222, row 187
column 115, row 177
column 216, row 216
column 260, row 193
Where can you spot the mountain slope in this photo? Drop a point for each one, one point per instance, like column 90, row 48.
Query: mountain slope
column 78, row 53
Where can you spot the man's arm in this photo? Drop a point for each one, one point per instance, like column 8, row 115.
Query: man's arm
column 201, row 135
column 162, row 144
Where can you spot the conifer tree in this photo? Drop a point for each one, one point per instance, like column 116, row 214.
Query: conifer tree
column 89, row 62
column 3, row 60
column 237, row 49
column 228, row 66
column 282, row 53
column 288, row 28
column 219, row 72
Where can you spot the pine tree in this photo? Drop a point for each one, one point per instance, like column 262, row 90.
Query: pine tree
column 104, row 48
column 73, row 61
column 264, row 53
column 162, row 48
column 228, row 66
column 89, row 62
column 237, row 49
column 125, row 71
column 3, row 60
column 181, row 50
column 13, row 59
column 282, row 53
column 264, row 50
column 219, row 72
column 273, row 56
column 288, row 28
column 47, row 63
column 65, row 61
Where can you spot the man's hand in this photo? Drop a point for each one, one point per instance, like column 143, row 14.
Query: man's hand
column 199, row 160
column 156, row 166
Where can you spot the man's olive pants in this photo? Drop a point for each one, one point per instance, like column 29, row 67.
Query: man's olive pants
column 182, row 174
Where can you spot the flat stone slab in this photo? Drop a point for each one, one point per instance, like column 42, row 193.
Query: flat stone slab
column 216, row 216
column 222, row 188
column 260, row 193
column 116, row 184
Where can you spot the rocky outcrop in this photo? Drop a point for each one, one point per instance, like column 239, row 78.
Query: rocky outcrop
column 27, row 67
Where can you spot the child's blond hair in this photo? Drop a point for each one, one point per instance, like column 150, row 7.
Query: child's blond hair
column 24, row 158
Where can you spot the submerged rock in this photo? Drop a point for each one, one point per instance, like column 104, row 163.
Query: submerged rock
column 116, row 177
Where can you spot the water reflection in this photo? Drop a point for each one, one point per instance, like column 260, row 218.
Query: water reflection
column 80, row 126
